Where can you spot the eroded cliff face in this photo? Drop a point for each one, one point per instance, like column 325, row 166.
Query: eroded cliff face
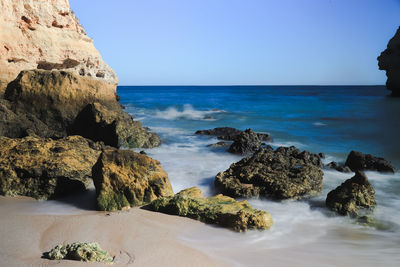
column 389, row 60
column 45, row 34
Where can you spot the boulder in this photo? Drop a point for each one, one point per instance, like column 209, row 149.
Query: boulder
column 353, row 197
column 57, row 103
column 246, row 142
column 230, row 134
column 113, row 127
column 389, row 60
column 124, row 178
column 280, row 174
column 43, row 168
column 220, row 210
column 336, row 166
column 359, row 161
column 86, row 252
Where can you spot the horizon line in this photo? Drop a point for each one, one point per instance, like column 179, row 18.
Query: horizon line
column 254, row 85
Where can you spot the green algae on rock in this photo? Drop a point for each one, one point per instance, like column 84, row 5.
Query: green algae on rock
column 124, row 178
column 221, row 210
column 44, row 168
column 353, row 197
column 87, row 252
column 280, row 174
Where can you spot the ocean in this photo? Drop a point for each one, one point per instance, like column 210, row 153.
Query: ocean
column 329, row 119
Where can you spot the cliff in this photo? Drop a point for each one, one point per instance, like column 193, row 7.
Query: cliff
column 389, row 60
column 45, row 34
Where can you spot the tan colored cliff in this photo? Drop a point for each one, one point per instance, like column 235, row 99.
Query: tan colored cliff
column 45, row 34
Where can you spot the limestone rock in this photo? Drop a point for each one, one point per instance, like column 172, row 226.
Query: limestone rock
column 44, row 168
column 359, row 161
column 353, row 196
column 113, row 127
column 87, row 252
column 221, row 210
column 389, row 60
column 280, row 174
column 46, row 35
column 245, row 143
column 124, row 178
column 230, row 134
column 336, row 166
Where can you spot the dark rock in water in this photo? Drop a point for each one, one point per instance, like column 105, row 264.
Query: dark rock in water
column 224, row 133
column 389, row 60
column 230, row 134
column 46, row 104
column 43, row 168
column 143, row 152
column 321, row 155
column 336, row 166
column 359, row 161
column 124, row 178
column 280, row 174
column 221, row 210
column 245, row 143
column 219, row 144
column 86, row 252
column 353, row 197
column 113, row 127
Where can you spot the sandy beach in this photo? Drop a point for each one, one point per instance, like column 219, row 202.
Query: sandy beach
column 135, row 237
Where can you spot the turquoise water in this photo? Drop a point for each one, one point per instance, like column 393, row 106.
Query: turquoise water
column 330, row 119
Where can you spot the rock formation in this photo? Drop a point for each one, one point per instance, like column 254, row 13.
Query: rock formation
column 124, row 179
column 86, row 252
column 46, row 35
column 230, row 134
column 45, row 168
column 221, row 210
column 339, row 167
column 280, row 174
column 359, row 161
column 389, row 60
column 246, row 142
column 353, row 197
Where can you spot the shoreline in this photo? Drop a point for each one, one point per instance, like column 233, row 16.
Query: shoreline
column 135, row 237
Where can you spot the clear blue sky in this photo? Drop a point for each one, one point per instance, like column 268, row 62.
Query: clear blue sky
column 230, row 42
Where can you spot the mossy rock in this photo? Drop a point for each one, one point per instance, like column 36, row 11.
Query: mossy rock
column 87, row 252
column 221, row 210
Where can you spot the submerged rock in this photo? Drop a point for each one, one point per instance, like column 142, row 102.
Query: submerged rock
column 124, row 178
column 246, row 142
column 113, row 127
column 353, row 197
column 219, row 144
column 43, row 168
column 280, row 174
column 87, row 252
column 230, row 134
column 359, row 161
column 336, row 166
column 221, row 210
column 389, row 60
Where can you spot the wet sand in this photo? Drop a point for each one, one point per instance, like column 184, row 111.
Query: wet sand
column 135, row 237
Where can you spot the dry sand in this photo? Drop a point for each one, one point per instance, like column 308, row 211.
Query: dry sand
column 135, row 237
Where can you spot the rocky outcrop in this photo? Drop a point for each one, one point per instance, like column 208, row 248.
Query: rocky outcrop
column 43, row 168
column 359, row 161
column 221, row 210
column 219, row 145
column 113, row 127
column 46, row 35
column 389, row 60
column 124, row 178
column 58, row 103
column 339, row 167
column 86, row 252
column 353, row 197
column 280, row 174
column 246, row 142
column 230, row 134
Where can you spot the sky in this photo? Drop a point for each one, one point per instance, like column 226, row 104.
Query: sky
column 241, row 42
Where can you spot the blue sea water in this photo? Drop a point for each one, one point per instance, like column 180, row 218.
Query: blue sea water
column 329, row 119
